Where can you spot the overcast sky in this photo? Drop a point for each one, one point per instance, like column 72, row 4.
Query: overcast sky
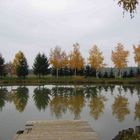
column 34, row 26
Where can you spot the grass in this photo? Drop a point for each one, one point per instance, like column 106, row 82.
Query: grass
column 32, row 80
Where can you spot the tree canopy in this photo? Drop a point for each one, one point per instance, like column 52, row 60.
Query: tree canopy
column 76, row 61
column 41, row 65
column 20, row 65
column 96, row 59
column 129, row 6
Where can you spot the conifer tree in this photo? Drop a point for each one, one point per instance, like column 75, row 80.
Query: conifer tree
column 41, row 65
column 2, row 66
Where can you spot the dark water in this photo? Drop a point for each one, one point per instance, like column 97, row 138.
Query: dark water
column 108, row 109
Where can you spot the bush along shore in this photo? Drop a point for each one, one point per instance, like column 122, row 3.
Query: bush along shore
column 66, row 80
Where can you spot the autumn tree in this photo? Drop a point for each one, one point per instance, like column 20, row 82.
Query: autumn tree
column 9, row 68
column 2, row 66
column 137, row 54
column 119, row 58
column 20, row 65
column 58, row 58
column 41, row 65
column 129, row 6
column 3, row 97
column 120, row 107
column 96, row 59
column 20, row 98
column 97, row 105
column 76, row 61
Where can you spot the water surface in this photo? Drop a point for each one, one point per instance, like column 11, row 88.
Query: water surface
column 108, row 109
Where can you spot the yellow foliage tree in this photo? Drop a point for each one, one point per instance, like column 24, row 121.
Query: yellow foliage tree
column 20, row 66
column 120, row 107
column 97, row 105
column 96, row 59
column 137, row 54
column 76, row 61
column 119, row 58
column 58, row 58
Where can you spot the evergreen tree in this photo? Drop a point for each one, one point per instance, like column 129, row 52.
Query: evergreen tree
column 89, row 71
column 2, row 66
column 138, row 71
column 125, row 74
column 105, row 75
column 131, row 73
column 41, row 65
column 111, row 74
column 100, row 75
column 20, row 65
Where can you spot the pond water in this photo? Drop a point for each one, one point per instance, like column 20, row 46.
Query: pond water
column 108, row 109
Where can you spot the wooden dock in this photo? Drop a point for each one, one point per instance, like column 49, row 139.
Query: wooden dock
column 57, row 130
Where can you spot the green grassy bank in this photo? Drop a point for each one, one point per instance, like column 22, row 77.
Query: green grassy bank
column 65, row 80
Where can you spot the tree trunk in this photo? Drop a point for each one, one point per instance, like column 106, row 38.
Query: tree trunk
column 120, row 73
column 97, row 74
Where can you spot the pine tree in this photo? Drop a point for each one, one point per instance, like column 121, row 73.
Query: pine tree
column 131, row 73
column 111, row 74
column 100, row 75
column 41, row 65
column 125, row 74
column 20, row 65
column 105, row 75
column 2, row 66
column 138, row 71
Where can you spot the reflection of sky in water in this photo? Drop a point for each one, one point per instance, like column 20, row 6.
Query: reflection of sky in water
column 107, row 109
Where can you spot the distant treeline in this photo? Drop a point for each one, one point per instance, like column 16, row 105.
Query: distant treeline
column 61, row 64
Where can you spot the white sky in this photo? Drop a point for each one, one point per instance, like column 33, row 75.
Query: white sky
column 34, row 26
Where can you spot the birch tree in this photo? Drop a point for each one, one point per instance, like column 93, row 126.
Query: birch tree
column 58, row 58
column 76, row 61
column 96, row 59
column 137, row 54
column 119, row 58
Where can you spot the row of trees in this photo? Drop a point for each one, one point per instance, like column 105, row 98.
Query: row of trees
column 61, row 63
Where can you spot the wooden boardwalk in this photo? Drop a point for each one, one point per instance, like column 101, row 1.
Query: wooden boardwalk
column 57, row 130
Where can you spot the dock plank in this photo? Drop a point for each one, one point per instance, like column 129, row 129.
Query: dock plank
column 57, row 130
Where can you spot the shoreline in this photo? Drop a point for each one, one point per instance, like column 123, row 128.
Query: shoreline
column 67, row 80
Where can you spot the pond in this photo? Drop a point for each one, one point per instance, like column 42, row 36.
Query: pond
column 108, row 109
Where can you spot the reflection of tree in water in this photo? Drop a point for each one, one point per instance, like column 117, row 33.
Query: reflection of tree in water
column 97, row 106
column 137, row 105
column 90, row 91
column 111, row 88
column 120, row 107
column 137, row 110
column 58, row 106
column 105, row 87
column 67, row 98
column 76, row 102
column 3, row 97
column 20, row 97
column 59, row 102
column 41, row 97
column 129, row 88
